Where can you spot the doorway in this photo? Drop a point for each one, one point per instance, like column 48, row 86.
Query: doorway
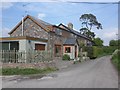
column 57, row 50
column 75, row 51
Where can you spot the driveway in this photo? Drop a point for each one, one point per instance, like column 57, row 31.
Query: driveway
column 99, row 73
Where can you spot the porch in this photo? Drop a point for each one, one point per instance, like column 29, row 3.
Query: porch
column 71, row 48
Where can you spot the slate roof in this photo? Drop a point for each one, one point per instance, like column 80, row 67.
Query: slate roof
column 74, row 32
column 70, row 41
column 41, row 21
column 47, row 26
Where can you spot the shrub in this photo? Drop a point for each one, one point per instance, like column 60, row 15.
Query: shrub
column 116, row 59
column 66, row 57
column 80, row 54
column 92, row 52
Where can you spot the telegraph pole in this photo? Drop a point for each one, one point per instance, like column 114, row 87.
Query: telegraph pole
column 117, row 36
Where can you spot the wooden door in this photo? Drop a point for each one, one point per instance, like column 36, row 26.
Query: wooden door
column 75, row 51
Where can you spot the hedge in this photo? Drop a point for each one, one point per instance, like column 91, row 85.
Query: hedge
column 98, row 51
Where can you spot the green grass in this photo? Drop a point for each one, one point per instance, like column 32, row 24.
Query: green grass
column 26, row 71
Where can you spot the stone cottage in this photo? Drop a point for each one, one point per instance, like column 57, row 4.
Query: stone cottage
column 35, row 34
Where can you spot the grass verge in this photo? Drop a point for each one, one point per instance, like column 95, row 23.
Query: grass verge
column 26, row 71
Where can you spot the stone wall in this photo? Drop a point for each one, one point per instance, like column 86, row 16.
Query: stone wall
column 40, row 65
column 30, row 29
column 55, row 40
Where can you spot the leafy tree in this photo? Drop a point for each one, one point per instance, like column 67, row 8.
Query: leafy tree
column 90, row 34
column 114, row 42
column 98, row 42
column 88, row 21
column 87, row 33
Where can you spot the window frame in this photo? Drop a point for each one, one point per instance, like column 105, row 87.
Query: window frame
column 67, row 50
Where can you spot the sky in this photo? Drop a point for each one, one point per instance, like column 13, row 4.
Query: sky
column 56, row 12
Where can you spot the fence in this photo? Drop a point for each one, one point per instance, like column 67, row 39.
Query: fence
column 13, row 56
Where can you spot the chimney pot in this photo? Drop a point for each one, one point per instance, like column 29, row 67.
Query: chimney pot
column 70, row 25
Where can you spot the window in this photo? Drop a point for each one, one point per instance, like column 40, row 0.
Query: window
column 67, row 49
column 40, row 47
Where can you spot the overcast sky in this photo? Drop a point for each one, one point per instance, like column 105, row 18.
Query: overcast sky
column 62, row 12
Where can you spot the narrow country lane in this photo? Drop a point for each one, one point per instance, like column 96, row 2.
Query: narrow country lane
column 99, row 73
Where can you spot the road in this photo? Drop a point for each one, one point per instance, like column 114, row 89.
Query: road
column 99, row 73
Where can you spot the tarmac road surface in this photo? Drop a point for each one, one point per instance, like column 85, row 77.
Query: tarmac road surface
column 98, row 73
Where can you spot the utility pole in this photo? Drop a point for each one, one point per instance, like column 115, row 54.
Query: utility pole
column 24, row 5
column 117, row 36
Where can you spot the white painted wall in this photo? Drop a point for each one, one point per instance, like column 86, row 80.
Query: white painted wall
column 72, row 54
column 22, row 45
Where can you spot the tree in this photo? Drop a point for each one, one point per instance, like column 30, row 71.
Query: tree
column 98, row 41
column 114, row 42
column 87, row 33
column 88, row 21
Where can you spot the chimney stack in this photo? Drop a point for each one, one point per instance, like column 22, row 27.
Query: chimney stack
column 70, row 25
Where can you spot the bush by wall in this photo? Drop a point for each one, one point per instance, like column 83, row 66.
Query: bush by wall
column 66, row 57
column 92, row 52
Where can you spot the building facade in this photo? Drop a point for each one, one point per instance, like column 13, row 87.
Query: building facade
column 35, row 34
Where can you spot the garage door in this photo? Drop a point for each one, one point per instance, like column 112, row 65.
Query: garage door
column 39, row 46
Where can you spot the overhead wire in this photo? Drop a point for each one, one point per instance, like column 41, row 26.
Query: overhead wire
column 94, row 10
column 93, row 2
